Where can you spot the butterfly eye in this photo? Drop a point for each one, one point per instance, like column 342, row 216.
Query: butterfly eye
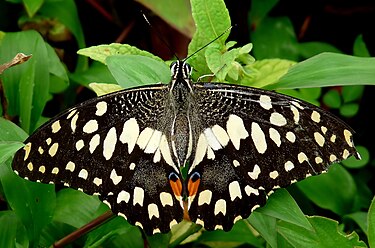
column 195, row 176
column 173, row 177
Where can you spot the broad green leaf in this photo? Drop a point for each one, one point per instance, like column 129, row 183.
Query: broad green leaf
column 102, row 89
column 175, row 13
column 354, row 163
column 266, row 226
column 32, row 202
column 10, row 131
column 7, row 149
column 282, row 206
column 59, row 80
column 66, row 12
column 326, row 234
column 371, row 224
column 12, row 232
column 101, row 52
column 30, row 78
column 32, row 6
column 360, row 48
column 259, row 10
column 212, row 20
column 135, row 70
column 183, row 232
column 335, row 190
column 329, row 69
column 131, row 238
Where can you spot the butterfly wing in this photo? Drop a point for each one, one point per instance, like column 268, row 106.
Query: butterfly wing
column 256, row 141
column 109, row 146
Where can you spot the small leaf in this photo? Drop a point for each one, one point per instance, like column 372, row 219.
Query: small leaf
column 266, row 226
column 354, row 163
column 32, row 6
column 101, row 52
column 103, row 89
column 10, row 131
column 349, row 109
column 8, row 148
column 352, row 93
column 332, row 99
column 135, row 70
column 360, row 48
column 360, row 218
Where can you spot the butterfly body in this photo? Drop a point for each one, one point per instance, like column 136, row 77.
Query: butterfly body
column 239, row 144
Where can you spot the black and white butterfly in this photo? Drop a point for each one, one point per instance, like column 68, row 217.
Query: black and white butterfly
column 239, row 144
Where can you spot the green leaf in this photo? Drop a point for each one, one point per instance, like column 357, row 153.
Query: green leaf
column 212, row 20
column 175, row 13
column 282, row 206
column 332, row 99
column 360, row 48
column 32, row 6
column 360, row 218
column 259, row 10
column 352, row 93
column 274, row 37
column 102, row 89
column 59, row 80
column 349, row 109
column 335, row 190
column 266, row 226
column 371, row 224
column 30, row 78
column 7, row 149
column 32, row 202
column 242, row 233
column 135, row 70
column 97, row 73
column 329, row 69
column 12, row 232
column 267, row 71
column 309, row 49
column 10, row 131
column 354, row 163
column 101, row 52
column 66, row 12
column 326, row 234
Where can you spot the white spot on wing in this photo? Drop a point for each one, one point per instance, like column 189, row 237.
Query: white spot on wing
column 154, row 142
column 83, row 174
column 319, row 139
column 220, row 206
column 236, row 130
column 265, row 102
column 274, row 174
column 275, row 136
column 144, row 137
column 130, row 133
column 221, row 135
column 27, row 149
column 79, row 145
column 53, row 149
column 212, row 140
column 73, row 122
column 70, row 166
column 278, row 119
column 91, row 126
column 138, row 196
column 101, row 108
column 288, row 166
column 123, row 196
column 250, row 190
column 348, row 137
column 153, row 210
column 315, row 116
column 166, row 199
column 116, row 179
column 97, row 181
column 258, row 137
column 94, row 142
column 235, row 190
column 109, row 143
column 56, row 126
column 255, row 173
column 205, row 197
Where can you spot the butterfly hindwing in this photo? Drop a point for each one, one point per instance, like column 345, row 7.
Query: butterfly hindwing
column 101, row 147
column 257, row 141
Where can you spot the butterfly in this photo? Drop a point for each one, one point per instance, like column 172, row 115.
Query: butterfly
column 208, row 152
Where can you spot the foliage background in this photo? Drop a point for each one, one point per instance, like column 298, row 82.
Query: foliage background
column 281, row 32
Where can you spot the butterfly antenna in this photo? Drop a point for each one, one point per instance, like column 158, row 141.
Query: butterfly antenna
column 160, row 37
column 209, row 43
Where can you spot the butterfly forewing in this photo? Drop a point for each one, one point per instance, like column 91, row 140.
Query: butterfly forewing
column 100, row 147
column 257, row 141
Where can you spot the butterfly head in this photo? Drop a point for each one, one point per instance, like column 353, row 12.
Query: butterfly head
column 180, row 70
